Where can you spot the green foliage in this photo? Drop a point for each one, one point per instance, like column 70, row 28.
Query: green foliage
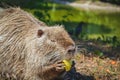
column 98, row 53
column 96, row 23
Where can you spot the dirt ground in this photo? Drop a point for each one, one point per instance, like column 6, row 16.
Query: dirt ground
column 96, row 67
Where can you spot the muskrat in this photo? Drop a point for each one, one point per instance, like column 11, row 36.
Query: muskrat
column 31, row 50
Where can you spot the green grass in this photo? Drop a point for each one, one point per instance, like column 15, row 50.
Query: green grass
column 96, row 23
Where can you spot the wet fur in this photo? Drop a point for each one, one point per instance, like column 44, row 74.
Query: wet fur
column 24, row 55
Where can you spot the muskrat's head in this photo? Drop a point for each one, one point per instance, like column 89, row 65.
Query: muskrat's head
column 55, row 44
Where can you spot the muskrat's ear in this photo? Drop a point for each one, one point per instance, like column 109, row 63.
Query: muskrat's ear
column 40, row 33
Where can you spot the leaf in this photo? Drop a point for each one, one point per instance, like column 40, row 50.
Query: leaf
column 113, row 62
column 99, row 53
column 108, row 71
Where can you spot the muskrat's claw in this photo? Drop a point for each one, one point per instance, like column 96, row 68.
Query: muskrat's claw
column 59, row 66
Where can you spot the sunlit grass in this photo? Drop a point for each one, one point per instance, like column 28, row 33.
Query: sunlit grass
column 98, row 23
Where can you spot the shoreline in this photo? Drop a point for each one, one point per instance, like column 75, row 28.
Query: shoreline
column 88, row 5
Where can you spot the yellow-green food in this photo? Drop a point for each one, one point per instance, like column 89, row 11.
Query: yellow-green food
column 67, row 65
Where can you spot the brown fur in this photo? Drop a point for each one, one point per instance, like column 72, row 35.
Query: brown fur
column 25, row 53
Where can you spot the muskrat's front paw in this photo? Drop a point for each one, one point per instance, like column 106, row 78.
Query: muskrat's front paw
column 59, row 66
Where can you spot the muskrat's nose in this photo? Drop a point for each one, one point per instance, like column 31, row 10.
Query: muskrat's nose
column 71, row 49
